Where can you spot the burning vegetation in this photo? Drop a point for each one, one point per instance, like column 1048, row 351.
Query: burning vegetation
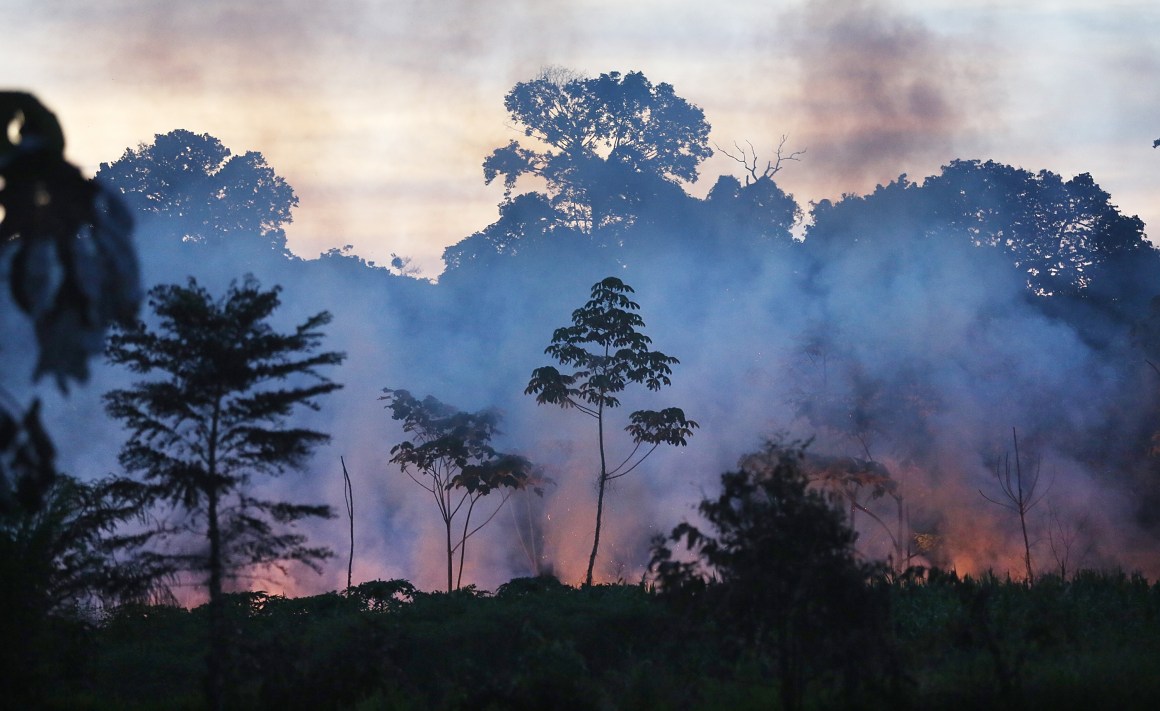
column 903, row 336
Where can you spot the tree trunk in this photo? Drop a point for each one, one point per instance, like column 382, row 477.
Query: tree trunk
column 600, row 492
column 450, row 555
column 1026, row 545
column 348, row 492
column 1023, row 505
column 217, row 633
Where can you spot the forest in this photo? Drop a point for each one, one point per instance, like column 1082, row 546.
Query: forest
column 632, row 448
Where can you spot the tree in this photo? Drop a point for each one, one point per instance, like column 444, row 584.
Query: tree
column 1019, row 492
column 604, row 137
column 609, row 352
column 212, row 415
column 193, row 190
column 1058, row 232
column 778, row 568
column 524, row 221
column 452, row 458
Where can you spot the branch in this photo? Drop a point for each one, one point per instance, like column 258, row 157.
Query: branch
column 874, row 516
column 1153, row 366
column 634, row 466
column 748, row 159
column 999, row 503
column 613, row 472
column 506, row 496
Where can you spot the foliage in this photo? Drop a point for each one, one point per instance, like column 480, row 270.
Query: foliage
column 452, row 458
column 1088, row 642
column 609, row 352
column 67, row 554
column 212, row 415
column 1061, row 238
column 193, row 190
column 778, row 569
column 609, row 158
column 59, row 561
column 71, row 269
column 27, row 458
column 217, row 415
column 1058, row 232
column 607, row 138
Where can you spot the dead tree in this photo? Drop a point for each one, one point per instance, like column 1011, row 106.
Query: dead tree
column 1019, row 492
column 348, row 494
column 748, row 160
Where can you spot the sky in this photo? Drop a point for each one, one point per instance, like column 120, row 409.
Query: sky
column 380, row 114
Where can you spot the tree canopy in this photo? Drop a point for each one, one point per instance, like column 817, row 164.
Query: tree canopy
column 192, row 189
column 599, row 142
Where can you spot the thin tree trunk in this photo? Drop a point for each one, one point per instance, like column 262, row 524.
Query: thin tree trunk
column 348, row 489
column 600, row 491
column 217, row 632
column 1022, row 504
column 450, row 555
column 216, row 613
column 463, row 544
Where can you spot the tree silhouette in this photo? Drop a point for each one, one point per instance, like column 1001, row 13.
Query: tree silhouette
column 777, row 566
column 606, row 137
column 1019, row 495
column 211, row 416
column 193, row 190
column 1057, row 231
column 608, row 351
column 452, row 458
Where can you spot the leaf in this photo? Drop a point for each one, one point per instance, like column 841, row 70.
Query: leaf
column 668, row 426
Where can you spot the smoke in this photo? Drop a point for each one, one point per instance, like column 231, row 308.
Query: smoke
column 879, row 93
column 922, row 355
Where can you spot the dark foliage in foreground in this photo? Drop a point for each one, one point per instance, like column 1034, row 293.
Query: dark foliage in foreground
column 1088, row 642
column 776, row 569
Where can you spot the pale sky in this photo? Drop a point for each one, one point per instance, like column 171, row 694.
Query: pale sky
column 379, row 114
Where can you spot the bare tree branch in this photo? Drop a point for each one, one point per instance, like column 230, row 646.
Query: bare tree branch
column 748, row 159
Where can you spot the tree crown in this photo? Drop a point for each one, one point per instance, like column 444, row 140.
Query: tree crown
column 229, row 381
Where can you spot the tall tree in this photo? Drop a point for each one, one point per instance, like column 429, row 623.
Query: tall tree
column 213, row 413
column 451, row 457
column 609, row 352
column 192, row 189
column 605, row 138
